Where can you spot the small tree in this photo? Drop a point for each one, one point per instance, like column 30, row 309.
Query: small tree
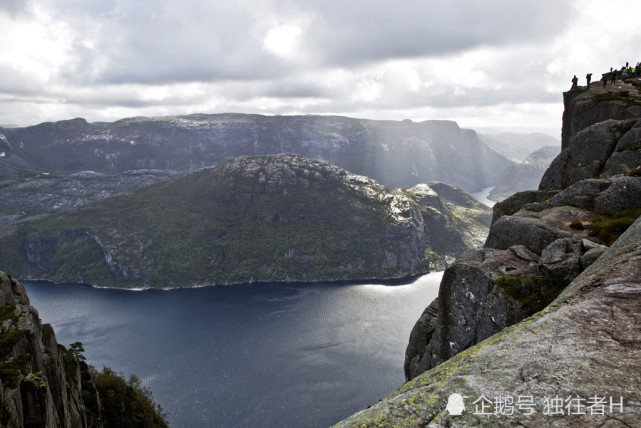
column 77, row 350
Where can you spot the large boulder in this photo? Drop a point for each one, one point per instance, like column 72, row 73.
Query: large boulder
column 627, row 154
column 537, row 229
column 586, row 154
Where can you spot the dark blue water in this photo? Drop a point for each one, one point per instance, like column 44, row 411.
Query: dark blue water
column 246, row 355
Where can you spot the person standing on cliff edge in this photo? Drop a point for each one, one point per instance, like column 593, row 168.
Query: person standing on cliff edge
column 588, row 77
column 614, row 75
column 575, row 81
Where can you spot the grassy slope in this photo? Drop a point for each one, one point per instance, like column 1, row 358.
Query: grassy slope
column 202, row 229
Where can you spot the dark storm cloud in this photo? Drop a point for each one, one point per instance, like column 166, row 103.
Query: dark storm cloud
column 162, row 42
column 115, row 57
column 166, row 42
column 361, row 31
column 14, row 7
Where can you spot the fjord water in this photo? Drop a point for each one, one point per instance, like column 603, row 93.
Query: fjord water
column 247, row 355
column 481, row 196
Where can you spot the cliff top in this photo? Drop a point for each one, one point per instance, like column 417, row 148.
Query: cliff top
column 598, row 90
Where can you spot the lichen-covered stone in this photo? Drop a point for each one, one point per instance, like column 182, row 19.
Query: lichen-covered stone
column 536, row 230
column 585, row 344
column 561, row 260
column 590, row 256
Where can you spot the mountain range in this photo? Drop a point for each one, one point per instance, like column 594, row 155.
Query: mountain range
column 395, row 153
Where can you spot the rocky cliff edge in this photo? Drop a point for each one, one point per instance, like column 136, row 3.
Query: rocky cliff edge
column 541, row 242
column 583, row 350
column 44, row 385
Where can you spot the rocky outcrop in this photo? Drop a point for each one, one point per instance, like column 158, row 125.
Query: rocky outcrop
column 42, row 384
column 530, row 255
column 397, row 154
column 524, row 176
column 41, row 381
column 487, row 291
column 626, row 157
column 541, row 240
column 586, row 154
column 593, row 124
column 476, row 339
column 538, row 243
column 264, row 218
column 575, row 363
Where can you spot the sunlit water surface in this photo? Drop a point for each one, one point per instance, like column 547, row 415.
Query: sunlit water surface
column 247, row 355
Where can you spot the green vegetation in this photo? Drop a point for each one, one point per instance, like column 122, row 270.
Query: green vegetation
column 611, row 224
column 533, row 292
column 14, row 368
column 634, row 147
column 213, row 226
column 77, row 350
column 126, row 403
column 70, row 364
column 123, row 403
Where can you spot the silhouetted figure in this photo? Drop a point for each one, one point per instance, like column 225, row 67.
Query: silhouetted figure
column 588, row 77
column 604, row 78
column 575, row 82
column 614, row 76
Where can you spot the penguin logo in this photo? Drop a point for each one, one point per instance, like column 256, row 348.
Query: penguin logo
column 455, row 405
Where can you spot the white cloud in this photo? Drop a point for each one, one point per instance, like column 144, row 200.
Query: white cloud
column 282, row 40
column 492, row 63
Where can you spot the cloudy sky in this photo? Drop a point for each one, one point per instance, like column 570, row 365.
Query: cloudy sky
column 485, row 63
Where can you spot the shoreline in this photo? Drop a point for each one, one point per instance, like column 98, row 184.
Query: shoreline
column 405, row 280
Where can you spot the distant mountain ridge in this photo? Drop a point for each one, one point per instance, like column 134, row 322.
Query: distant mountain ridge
column 518, row 146
column 395, row 153
column 525, row 175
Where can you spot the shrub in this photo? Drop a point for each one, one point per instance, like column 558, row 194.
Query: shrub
column 126, row 404
column 610, row 225
column 533, row 292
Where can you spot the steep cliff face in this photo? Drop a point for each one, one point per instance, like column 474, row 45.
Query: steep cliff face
column 594, row 125
column 42, row 384
column 264, row 218
column 541, row 242
column 397, row 154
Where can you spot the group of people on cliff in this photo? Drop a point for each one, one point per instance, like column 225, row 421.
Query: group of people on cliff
column 611, row 76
